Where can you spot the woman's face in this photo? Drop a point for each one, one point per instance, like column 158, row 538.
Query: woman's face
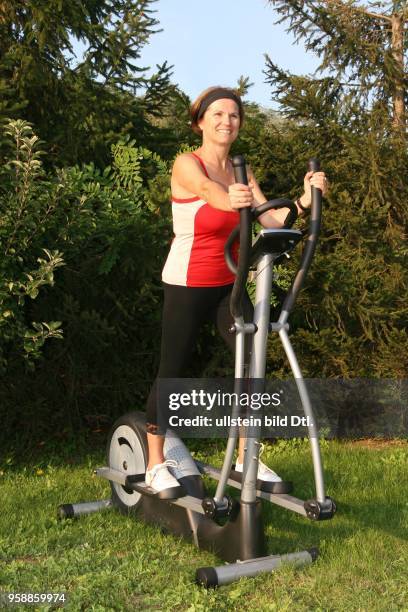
column 220, row 122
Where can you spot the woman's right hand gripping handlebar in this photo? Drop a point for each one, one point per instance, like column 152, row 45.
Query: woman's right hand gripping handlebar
column 240, row 196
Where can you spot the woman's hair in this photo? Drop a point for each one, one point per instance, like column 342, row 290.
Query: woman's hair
column 209, row 93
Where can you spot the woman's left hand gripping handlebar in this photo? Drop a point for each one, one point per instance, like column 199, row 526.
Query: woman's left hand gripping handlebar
column 314, row 179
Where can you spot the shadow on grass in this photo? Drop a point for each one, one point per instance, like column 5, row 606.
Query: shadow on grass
column 286, row 531
column 74, row 449
column 61, row 449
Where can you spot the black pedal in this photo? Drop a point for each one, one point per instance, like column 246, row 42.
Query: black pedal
column 136, row 482
column 285, row 486
column 320, row 511
column 134, row 479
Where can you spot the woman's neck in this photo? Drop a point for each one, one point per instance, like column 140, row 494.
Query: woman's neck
column 216, row 156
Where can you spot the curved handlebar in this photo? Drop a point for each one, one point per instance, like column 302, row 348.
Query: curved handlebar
column 255, row 213
column 277, row 205
column 310, row 246
column 245, row 238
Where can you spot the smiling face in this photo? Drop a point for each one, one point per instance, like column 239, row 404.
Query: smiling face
column 221, row 121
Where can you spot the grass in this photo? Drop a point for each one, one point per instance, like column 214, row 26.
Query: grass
column 107, row 561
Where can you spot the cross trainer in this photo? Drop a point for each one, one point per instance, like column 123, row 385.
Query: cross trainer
column 231, row 528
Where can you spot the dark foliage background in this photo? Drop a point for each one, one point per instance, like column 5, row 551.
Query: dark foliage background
column 85, row 217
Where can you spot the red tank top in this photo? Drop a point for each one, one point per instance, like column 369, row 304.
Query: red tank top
column 196, row 257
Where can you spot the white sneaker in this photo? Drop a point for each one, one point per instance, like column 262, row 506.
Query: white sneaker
column 264, row 472
column 159, row 477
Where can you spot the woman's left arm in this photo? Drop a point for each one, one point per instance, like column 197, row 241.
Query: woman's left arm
column 276, row 218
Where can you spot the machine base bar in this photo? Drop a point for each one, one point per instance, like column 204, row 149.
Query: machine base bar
column 73, row 510
column 225, row 574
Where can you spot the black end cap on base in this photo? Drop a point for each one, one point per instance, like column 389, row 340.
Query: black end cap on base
column 313, row 552
column 206, row 577
column 65, row 511
column 320, row 511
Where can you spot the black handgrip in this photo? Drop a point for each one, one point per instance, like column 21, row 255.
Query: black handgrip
column 313, row 165
column 240, row 173
column 310, row 246
column 245, row 242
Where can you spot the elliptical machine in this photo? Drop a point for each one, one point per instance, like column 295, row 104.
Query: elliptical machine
column 232, row 529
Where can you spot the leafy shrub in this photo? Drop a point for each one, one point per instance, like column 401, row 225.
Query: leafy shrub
column 26, row 265
column 107, row 233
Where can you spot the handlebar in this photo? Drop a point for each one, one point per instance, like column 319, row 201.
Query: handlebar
column 277, row 205
column 245, row 238
column 255, row 213
column 310, row 246
column 245, row 243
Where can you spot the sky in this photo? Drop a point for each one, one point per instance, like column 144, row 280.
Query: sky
column 214, row 42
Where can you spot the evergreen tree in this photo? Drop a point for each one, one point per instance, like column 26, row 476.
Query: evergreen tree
column 365, row 49
column 353, row 319
column 79, row 109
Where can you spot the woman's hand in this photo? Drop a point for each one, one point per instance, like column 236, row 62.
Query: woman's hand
column 240, row 196
column 313, row 179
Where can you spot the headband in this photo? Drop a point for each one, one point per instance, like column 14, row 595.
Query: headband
column 218, row 94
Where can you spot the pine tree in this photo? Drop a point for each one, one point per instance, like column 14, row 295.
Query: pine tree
column 353, row 319
column 363, row 48
column 79, row 109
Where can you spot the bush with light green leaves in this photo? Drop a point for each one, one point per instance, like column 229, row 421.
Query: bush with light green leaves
column 82, row 251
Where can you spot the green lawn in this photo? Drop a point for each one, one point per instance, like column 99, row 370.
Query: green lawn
column 110, row 562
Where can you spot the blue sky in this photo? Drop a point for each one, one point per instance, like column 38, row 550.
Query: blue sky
column 213, row 42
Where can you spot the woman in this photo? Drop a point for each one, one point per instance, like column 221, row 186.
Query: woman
column 197, row 282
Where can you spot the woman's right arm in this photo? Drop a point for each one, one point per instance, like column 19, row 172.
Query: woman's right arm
column 189, row 176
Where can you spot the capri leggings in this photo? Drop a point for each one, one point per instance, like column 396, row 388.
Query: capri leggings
column 185, row 310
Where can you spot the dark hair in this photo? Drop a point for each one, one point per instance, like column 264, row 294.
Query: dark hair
column 208, row 94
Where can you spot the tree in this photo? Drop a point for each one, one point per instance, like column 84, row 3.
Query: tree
column 352, row 319
column 364, row 47
column 79, row 109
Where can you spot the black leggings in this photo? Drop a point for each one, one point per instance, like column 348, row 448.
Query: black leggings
column 185, row 310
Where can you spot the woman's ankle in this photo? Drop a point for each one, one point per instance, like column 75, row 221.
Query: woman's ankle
column 154, row 462
column 156, row 456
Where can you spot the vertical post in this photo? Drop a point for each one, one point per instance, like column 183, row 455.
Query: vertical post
column 257, row 371
column 245, row 242
column 233, row 433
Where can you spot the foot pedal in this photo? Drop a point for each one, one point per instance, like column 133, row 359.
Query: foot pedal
column 282, row 487
column 137, row 483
